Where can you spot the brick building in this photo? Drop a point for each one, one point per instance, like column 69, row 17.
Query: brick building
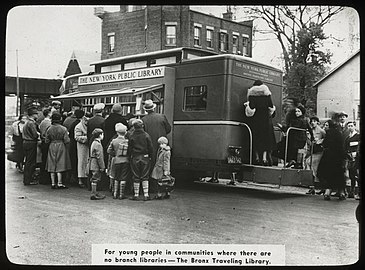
column 140, row 29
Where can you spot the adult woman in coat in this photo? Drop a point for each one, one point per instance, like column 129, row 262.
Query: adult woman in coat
column 82, row 150
column 260, row 110
column 331, row 167
column 58, row 159
column 297, row 138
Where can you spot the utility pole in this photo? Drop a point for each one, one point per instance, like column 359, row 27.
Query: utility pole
column 17, row 85
column 145, row 28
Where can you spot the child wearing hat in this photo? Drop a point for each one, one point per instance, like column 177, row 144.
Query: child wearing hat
column 161, row 171
column 140, row 151
column 97, row 165
column 118, row 150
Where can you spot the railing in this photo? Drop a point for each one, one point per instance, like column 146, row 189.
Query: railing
column 287, row 141
column 250, row 133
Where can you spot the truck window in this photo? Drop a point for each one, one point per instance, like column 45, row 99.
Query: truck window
column 195, row 98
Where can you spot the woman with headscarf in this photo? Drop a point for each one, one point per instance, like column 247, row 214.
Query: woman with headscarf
column 331, row 167
column 82, row 150
column 58, row 159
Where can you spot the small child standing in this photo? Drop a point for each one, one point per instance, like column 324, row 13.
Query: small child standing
column 97, row 165
column 161, row 171
column 140, row 151
column 118, row 150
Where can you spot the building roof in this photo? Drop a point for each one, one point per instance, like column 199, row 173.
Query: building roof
column 148, row 54
column 26, row 78
column 32, row 86
column 73, row 66
column 336, row 68
column 248, row 23
column 84, row 58
column 234, row 57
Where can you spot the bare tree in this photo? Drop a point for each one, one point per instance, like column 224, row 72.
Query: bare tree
column 285, row 22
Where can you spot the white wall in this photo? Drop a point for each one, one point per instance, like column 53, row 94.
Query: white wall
column 341, row 91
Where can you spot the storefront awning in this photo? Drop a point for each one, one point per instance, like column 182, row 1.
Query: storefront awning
column 108, row 93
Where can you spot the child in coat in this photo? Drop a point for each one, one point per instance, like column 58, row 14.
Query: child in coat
column 162, row 169
column 118, row 150
column 140, row 151
column 97, row 164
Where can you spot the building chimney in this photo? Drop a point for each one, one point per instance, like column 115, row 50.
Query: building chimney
column 228, row 15
column 99, row 12
column 123, row 9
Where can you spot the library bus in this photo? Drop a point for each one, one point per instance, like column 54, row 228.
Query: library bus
column 202, row 95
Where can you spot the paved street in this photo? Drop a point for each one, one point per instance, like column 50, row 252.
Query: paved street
column 45, row 226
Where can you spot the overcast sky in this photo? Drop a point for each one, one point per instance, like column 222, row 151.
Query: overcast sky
column 46, row 36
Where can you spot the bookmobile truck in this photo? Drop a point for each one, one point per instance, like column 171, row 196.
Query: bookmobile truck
column 202, row 95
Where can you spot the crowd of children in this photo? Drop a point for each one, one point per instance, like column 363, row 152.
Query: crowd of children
column 130, row 162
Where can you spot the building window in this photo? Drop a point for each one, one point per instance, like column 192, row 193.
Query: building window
column 358, row 112
column 170, row 34
column 209, row 38
column 163, row 61
column 195, row 98
column 131, row 8
column 133, row 65
column 111, row 68
column 223, row 41
column 111, row 42
column 245, row 44
column 197, row 35
column 235, row 44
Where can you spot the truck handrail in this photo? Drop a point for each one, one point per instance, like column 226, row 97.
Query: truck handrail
column 287, row 141
column 250, row 133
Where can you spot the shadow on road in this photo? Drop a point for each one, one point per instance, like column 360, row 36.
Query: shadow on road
column 271, row 193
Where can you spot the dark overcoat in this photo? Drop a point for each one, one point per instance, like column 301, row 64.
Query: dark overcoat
column 109, row 127
column 97, row 121
column 156, row 125
column 331, row 166
column 298, row 138
column 263, row 137
column 73, row 145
